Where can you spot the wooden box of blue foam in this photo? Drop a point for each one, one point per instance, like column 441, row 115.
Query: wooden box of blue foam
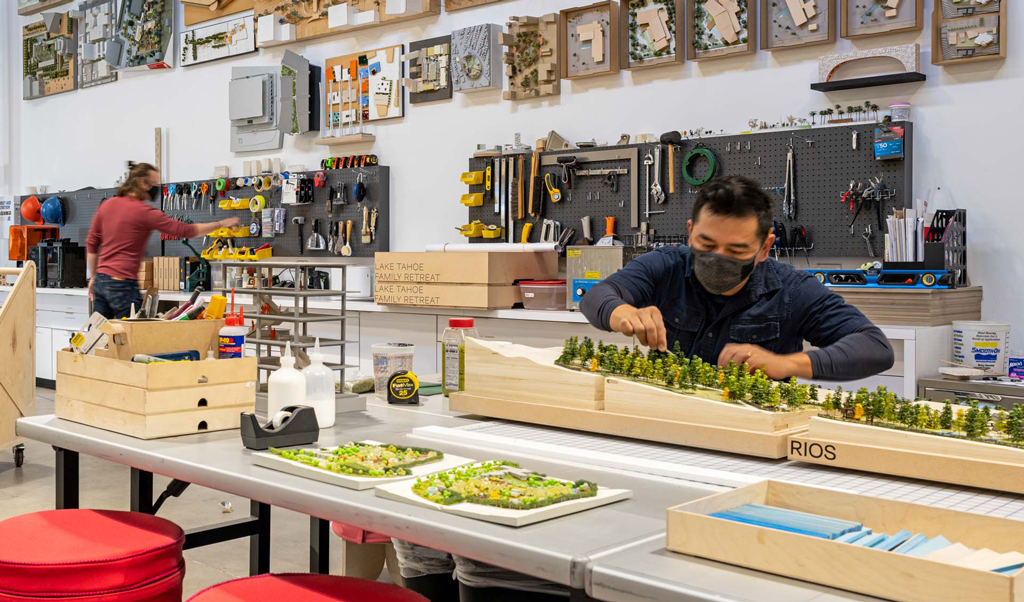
column 894, row 550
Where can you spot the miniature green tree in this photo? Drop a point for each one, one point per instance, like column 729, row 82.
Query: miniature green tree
column 775, row 400
column 677, row 348
column 934, row 421
column 792, row 396
column 658, row 372
column 958, row 422
column 922, row 416
column 1000, row 422
column 1015, row 424
column 812, row 393
column 826, row 404
column 889, row 408
column 946, row 419
column 971, row 422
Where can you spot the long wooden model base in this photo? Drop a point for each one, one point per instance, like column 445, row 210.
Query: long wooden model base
column 915, row 455
column 752, row 443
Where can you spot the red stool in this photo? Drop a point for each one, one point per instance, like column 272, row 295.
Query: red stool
column 305, row 588
column 90, row 556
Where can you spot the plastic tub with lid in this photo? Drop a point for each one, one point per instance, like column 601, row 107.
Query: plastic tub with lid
column 546, row 295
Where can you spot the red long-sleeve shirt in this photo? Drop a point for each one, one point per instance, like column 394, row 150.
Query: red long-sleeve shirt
column 119, row 232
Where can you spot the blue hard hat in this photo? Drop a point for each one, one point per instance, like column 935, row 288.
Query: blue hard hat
column 53, row 211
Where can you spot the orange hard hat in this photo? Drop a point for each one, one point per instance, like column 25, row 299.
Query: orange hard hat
column 31, row 210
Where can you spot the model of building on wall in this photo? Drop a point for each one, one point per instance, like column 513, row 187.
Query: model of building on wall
column 651, row 32
column 590, row 38
column 532, row 61
column 99, row 48
column 429, row 70
column 476, row 61
column 223, row 40
column 876, row 17
column 48, row 60
column 726, row 15
column 970, row 37
column 265, row 103
column 284, row 21
column 369, row 82
column 145, row 29
column 721, row 28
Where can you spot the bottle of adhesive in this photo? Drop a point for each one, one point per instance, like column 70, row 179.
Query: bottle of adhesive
column 453, row 358
column 286, row 386
column 320, row 387
column 232, row 336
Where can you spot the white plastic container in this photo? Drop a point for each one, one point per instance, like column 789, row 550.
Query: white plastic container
column 286, row 386
column 232, row 337
column 900, row 111
column 389, row 358
column 320, row 388
column 544, row 295
column 982, row 345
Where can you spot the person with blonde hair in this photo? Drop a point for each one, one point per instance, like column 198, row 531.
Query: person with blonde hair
column 117, row 240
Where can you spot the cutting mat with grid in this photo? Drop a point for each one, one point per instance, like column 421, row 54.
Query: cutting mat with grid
column 938, row 495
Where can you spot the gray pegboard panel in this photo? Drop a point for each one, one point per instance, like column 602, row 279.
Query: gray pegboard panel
column 378, row 185
column 79, row 208
column 824, row 169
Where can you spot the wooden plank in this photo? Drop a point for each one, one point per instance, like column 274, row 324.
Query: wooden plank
column 751, row 443
column 159, row 336
column 17, row 336
column 402, row 492
column 155, row 377
column 468, row 296
column 454, row 5
column 140, row 401
column 197, row 14
column 150, row 427
column 865, row 570
column 312, row 25
column 529, row 374
column 464, row 268
column 273, row 462
column 637, row 399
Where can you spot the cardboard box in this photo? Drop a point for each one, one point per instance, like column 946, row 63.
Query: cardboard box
column 854, row 568
column 465, row 296
column 465, row 268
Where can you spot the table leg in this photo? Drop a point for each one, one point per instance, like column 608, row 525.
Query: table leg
column 67, row 478
column 579, row 595
column 259, row 543
column 142, row 491
column 319, row 546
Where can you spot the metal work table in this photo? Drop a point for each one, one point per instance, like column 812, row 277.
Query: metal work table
column 646, row 571
column 557, row 550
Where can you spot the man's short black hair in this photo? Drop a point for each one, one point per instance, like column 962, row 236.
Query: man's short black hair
column 736, row 196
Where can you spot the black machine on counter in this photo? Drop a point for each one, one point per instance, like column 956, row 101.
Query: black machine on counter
column 1004, row 391
column 59, row 264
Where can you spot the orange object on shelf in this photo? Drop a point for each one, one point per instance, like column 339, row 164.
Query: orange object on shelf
column 20, row 238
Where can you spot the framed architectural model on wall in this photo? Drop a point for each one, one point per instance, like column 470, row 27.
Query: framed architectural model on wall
column 98, row 46
column 968, row 31
column 864, row 18
column 720, row 28
column 649, row 33
column 31, row 7
column 50, row 47
column 590, row 40
column 476, row 58
column 207, row 43
column 532, row 61
column 430, row 76
column 369, row 82
column 286, row 21
column 789, row 24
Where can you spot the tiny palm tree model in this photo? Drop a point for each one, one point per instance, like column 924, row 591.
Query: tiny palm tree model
column 502, row 484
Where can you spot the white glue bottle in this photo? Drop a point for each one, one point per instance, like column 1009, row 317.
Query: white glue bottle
column 286, row 386
column 320, row 387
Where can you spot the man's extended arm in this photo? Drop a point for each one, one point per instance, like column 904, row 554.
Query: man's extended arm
column 624, row 302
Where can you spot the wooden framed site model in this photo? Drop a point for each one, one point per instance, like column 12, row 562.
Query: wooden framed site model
column 590, row 40
column 650, row 34
column 720, row 28
column 532, row 58
column 968, row 31
column 284, row 21
column 866, row 18
column 787, row 24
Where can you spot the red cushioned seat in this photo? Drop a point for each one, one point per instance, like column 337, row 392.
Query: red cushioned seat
column 76, row 552
column 163, row 589
column 357, row 535
column 305, row 588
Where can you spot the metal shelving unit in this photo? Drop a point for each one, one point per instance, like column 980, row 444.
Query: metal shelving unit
column 298, row 316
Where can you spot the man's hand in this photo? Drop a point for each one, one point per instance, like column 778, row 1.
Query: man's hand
column 776, row 366
column 91, row 296
column 645, row 324
column 231, row 222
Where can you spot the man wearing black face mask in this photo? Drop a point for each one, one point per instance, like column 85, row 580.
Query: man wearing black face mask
column 117, row 240
column 722, row 299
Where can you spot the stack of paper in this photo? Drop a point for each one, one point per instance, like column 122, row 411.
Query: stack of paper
column 904, row 240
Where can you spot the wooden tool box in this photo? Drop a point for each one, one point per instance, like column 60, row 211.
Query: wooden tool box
column 109, row 391
column 461, row 280
column 860, row 569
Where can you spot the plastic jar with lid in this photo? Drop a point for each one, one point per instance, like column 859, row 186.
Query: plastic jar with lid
column 453, row 354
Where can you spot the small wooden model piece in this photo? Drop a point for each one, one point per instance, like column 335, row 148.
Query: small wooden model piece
column 429, row 70
column 965, row 31
column 454, row 5
column 789, row 24
column 649, row 33
column 590, row 40
column 865, row 18
column 720, row 28
column 290, row 21
column 532, row 57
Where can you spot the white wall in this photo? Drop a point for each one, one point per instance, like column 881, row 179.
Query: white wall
column 969, row 138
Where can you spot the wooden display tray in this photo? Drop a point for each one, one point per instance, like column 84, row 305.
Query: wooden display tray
column 402, row 492
column 914, row 455
column 153, row 377
column 637, row 399
column 464, row 268
column 859, row 569
column 913, row 306
column 530, row 373
column 273, row 462
column 464, row 296
column 751, row 443
column 151, row 426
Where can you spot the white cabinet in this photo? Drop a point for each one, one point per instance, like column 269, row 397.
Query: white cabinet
column 44, row 353
column 61, row 340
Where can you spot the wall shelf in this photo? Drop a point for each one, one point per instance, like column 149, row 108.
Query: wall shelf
column 869, row 82
column 345, row 140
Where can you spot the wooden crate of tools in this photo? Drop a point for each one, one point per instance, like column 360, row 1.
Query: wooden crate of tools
column 460, row 280
column 148, row 401
column 874, row 572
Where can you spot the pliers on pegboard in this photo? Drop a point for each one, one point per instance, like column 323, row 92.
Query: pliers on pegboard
column 873, row 194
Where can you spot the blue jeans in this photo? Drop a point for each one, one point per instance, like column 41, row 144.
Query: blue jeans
column 113, row 298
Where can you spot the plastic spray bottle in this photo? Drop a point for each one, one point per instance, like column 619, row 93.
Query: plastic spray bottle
column 286, row 386
column 320, row 387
